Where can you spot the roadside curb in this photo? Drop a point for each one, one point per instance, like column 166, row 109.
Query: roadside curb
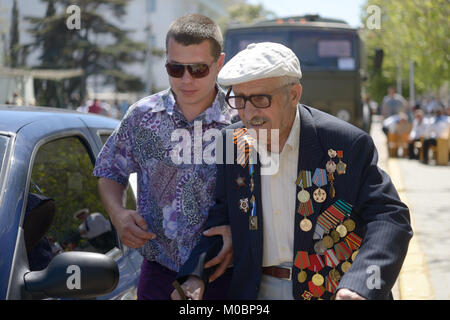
column 414, row 281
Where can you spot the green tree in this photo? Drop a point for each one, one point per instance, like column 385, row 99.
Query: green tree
column 100, row 47
column 14, row 46
column 244, row 13
column 417, row 30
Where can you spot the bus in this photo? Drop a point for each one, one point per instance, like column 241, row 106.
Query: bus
column 331, row 55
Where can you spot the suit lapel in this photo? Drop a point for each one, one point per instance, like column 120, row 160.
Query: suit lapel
column 311, row 156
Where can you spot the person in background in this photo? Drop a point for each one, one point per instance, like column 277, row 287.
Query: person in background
column 438, row 127
column 393, row 103
column 418, row 131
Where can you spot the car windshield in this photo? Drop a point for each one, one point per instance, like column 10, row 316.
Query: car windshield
column 317, row 50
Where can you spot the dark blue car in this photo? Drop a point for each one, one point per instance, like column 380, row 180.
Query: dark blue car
column 56, row 240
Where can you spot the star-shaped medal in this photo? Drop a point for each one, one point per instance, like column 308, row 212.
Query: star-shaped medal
column 240, row 181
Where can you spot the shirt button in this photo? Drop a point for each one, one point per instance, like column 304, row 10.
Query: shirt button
column 277, row 212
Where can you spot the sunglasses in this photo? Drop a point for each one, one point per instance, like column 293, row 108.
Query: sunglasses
column 196, row 70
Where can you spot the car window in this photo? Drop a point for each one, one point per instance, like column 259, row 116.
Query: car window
column 76, row 219
column 131, row 199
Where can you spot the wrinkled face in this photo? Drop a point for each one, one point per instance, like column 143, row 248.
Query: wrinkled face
column 188, row 90
column 281, row 113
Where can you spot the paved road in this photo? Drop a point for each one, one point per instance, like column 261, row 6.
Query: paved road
column 426, row 190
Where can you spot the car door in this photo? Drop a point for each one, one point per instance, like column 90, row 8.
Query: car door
column 129, row 260
column 60, row 172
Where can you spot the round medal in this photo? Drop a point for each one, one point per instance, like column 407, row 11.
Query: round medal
column 301, row 277
column 354, row 255
column 317, row 279
column 319, row 195
column 349, row 224
column 345, row 266
column 341, row 230
column 305, row 225
column 335, row 235
column 303, row 196
column 319, row 248
column 335, row 275
column 328, row 242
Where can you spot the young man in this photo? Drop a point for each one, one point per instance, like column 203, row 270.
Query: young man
column 173, row 199
column 328, row 224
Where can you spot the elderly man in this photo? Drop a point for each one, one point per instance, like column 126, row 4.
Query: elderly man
column 328, row 224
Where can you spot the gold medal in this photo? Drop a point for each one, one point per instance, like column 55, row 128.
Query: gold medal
column 342, row 230
column 319, row 195
column 301, row 277
column 305, row 224
column 354, row 255
column 345, row 266
column 349, row 224
column 253, row 223
column 328, row 242
column 336, row 236
column 317, row 279
column 303, row 196
column 319, row 247
column 335, row 275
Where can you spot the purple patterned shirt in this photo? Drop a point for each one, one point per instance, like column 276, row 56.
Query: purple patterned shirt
column 173, row 198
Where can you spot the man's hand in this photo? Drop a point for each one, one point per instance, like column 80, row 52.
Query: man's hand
column 193, row 289
column 346, row 294
column 225, row 257
column 132, row 228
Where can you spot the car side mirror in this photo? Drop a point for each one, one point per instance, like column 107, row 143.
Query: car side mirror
column 75, row 275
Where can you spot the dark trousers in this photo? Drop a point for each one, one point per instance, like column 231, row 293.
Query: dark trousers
column 426, row 146
column 155, row 283
column 412, row 151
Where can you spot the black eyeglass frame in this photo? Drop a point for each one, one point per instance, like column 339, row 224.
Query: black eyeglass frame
column 250, row 97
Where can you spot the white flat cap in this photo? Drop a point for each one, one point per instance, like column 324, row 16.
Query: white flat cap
column 259, row 61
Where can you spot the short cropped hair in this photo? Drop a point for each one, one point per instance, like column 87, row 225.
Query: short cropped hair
column 194, row 29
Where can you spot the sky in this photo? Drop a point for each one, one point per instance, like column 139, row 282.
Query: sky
column 348, row 10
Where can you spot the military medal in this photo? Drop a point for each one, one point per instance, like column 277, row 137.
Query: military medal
column 353, row 241
column 306, row 295
column 349, row 224
column 304, row 181
column 319, row 179
column 318, row 279
column 345, row 266
column 331, row 284
column 305, row 209
column 335, row 235
column 341, row 166
column 301, row 261
column 317, row 291
column 342, row 230
column 305, row 224
column 328, row 242
column 243, row 205
column 332, row 261
column 240, row 181
column 354, row 254
column 316, row 264
column 319, row 247
column 331, row 168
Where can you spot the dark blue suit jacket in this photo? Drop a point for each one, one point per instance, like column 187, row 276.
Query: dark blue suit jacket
column 382, row 220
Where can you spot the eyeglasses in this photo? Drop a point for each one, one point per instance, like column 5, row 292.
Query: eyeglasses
column 257, row 100
column 196, row 70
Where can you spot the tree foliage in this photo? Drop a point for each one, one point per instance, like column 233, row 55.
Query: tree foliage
column 100, row 47
column 244, row 13
column 417, row 30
